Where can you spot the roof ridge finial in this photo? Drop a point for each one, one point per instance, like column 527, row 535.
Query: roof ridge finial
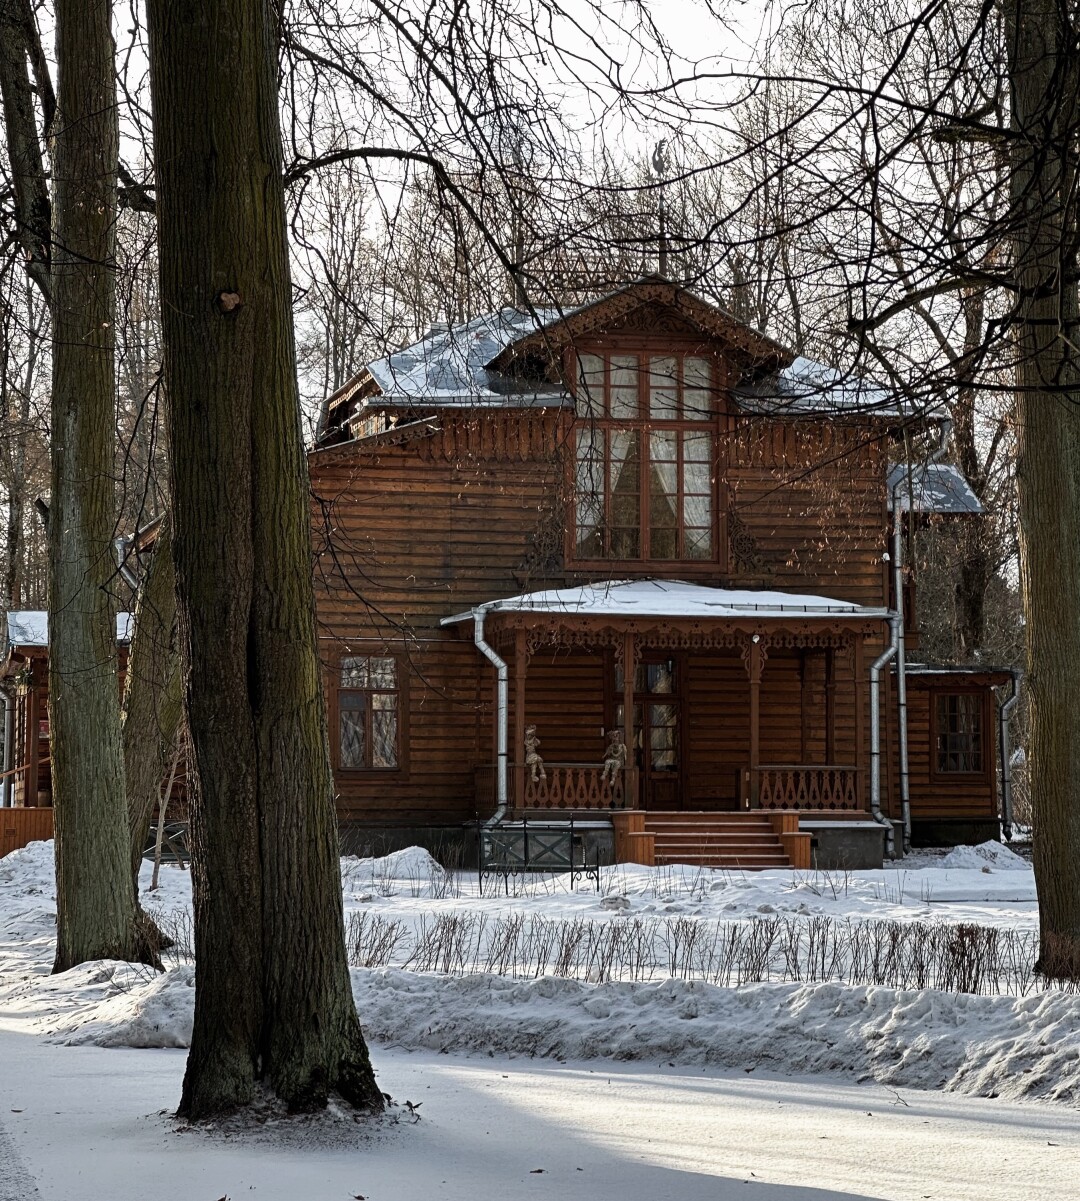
column 659, row 163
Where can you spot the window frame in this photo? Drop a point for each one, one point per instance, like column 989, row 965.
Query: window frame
column 982, row 773
column 713, row 426
column 334, row 669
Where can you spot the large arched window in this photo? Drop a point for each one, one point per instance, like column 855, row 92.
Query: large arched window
column 645, row 456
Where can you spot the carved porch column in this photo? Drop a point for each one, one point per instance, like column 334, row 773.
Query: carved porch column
column 629, row 664
column 754, row 659
column 521, row 668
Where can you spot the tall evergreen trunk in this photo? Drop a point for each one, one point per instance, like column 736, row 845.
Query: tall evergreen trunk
column 1044, row 113
column 96, row 915
column 273, row 1002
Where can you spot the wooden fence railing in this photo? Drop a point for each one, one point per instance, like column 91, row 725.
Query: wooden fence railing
column 568, row 786
column 827, row 788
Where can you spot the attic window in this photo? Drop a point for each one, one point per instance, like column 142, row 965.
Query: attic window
column 645, row 450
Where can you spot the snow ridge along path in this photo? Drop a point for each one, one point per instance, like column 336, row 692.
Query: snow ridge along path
column 1008, row 1046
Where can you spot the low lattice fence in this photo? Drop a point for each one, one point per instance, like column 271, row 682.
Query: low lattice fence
column 963, row 957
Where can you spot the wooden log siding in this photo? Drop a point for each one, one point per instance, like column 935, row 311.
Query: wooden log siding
column 406, row 535
column 18, row 827
column 959, row 797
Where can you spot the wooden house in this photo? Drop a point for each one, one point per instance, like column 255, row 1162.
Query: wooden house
column 633, row 566
column 534, row 529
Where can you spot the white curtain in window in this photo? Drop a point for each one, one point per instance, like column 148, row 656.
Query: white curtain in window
column 662, row 455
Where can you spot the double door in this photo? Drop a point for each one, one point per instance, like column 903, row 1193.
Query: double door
column 656, row 749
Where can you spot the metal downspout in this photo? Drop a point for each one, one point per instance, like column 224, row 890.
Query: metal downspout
column 1004, row 713
column 9, row 731
column 502, row 705
column 875, row 736
column 901, row 645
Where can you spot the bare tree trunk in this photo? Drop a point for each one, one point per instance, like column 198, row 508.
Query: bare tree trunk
column 273, row 1000
column 1044, row 105
column 32, row 208
column 96, row 916
column 153, row 701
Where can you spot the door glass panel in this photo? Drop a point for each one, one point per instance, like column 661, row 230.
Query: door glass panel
column 660, row 678
column 662, row 737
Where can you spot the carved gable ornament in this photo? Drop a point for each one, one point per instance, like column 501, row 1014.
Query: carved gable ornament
column 655, row 319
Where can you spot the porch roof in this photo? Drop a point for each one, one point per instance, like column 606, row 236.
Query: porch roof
column 672, row 598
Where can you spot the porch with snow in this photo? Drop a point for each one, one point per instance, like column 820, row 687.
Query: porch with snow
column 735, row 707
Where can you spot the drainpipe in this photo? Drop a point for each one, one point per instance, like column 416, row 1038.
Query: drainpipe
column 9, row 733
column 502, row 703
column 1004, row 713
column 896, row 624
column 128, row 576
column 901, row 649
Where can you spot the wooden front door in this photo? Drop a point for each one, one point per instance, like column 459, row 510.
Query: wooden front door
column 657, row 746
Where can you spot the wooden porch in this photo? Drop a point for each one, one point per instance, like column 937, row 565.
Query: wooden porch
column 733, row 729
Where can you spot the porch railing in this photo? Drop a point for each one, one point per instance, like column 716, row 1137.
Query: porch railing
column 827, row 788
column 568, row 786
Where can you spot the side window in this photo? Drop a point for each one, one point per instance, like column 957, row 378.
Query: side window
column 368, row 714
column 959, row 738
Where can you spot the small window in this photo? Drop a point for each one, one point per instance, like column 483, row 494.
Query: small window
column 959, row 742
column 368, row 714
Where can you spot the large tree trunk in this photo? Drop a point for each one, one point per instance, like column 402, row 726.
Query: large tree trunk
column 153, row 702
column 96, row 916
column 1044, row 108
column 273, row 1001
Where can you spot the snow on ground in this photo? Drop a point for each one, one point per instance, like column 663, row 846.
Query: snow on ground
column 90, row 1126
column 613, row 1087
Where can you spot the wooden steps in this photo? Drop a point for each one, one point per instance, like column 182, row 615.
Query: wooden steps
column 741, row 841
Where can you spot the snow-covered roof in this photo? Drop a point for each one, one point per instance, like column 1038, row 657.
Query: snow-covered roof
column 453, row 367
column 670, row 598
column 30, row 627
column 934, row 488
column 449, row 367
column 806, row 386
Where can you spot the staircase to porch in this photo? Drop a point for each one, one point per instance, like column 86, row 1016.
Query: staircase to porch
column 752, row 841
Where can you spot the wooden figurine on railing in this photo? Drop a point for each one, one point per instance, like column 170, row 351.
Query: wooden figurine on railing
column 614, row 757
column 532, row 755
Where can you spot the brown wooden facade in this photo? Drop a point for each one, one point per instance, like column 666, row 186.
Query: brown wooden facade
column 453, row 508
column 422, row 512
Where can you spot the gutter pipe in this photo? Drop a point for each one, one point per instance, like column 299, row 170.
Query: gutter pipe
column 1004, row 713
column 502, row 705
column 899, row 640
column 128, row 576
column 896, row 624
column 9, row 733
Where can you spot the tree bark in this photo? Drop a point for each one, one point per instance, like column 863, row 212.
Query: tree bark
column 273, row 1000
column 153, row 701
column 96, row 917
column 32, row 206
column 1044, row 114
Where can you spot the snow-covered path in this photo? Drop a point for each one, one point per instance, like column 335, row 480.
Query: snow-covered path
column 92, row 1128
column 16, row 1183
